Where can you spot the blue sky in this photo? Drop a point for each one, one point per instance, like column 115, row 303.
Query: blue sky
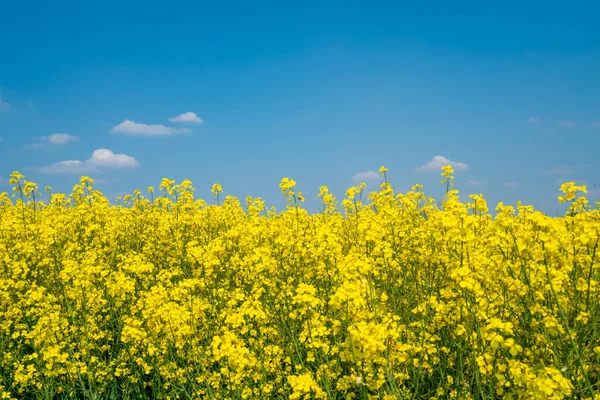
column 316, row 91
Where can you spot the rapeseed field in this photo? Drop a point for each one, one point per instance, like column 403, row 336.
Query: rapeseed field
column 380, row 295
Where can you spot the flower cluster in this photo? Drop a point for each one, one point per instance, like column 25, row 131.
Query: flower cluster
column 390, row 296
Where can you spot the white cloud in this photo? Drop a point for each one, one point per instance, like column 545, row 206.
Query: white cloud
column 68, row 167
column 436, row 164
column 511, row 185
column 596, row 124
column 2, row 181
column 473, row 182
column 562, row 170
column 54, row 139
column 368, row 176
column 129, row 127
column 534, row 120
column 108, row 159
column 187, row 117
column 567, row 124
column 60, row 138
column 100, row 159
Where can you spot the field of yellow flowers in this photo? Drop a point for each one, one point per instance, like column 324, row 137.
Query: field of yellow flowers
column 382, row 296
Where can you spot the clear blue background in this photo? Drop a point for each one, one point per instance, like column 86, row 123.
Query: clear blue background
column 317, row 91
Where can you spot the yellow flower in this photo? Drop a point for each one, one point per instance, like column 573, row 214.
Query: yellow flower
column 244, row 300
column 287, row 185
column 216, row 189
column 447, row 171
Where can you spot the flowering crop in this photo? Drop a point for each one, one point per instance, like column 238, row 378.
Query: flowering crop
column 386, row 296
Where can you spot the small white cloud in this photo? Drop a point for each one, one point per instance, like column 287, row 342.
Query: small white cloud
column 562, row 170
column 2, row 181
column 596, row 124
column 54, row 139
column 100, row 159
column 129, row 127
column 436, row 164
column 567, row 124
column 107, row 159
column 189, row 117
column 473, row 182
column 68, row 167
column 368, row 176
column 511, row 185
column 534, row 120
column 60, row 138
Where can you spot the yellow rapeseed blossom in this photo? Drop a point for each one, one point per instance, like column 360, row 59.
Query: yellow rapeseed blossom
column 383, row 295
column 216, row 189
